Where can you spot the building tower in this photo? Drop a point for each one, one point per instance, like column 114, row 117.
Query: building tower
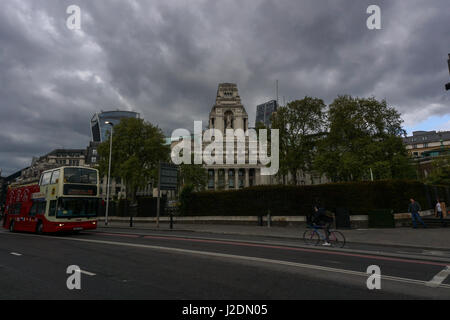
column 228, row 111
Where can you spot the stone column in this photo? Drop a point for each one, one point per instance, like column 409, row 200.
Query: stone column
column 216, row 179
column 257, row 176
column 247, row 178
column 226, row 179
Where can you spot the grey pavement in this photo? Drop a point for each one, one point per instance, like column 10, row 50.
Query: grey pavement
column 432, row 238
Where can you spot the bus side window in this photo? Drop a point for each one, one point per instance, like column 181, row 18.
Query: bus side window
column 52, row 209
column 33, row 209
column 17, row 208
column 41, row 207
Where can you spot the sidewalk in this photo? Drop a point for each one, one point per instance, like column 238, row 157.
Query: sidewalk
column 430, row 238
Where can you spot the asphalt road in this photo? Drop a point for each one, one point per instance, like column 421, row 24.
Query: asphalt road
column 122, row 264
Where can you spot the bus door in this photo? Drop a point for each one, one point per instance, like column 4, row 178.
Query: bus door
column 35, row 214
column 15, row 216
column 31, row 217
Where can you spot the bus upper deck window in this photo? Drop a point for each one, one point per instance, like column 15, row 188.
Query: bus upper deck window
column 46, row 178
column 55, row 177
column 80, row 175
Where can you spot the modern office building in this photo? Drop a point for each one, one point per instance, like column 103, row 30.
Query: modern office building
column 264, row 112
column 99, row 128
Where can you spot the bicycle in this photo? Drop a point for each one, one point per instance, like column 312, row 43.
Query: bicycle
column 312, row 236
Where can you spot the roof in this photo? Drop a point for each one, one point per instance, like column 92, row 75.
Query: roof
column 427, row 136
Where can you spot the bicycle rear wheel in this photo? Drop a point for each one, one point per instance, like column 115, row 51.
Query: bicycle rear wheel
column 337, row 239
column 311, row 237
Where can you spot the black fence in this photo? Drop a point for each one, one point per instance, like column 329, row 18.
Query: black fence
column 147, row 207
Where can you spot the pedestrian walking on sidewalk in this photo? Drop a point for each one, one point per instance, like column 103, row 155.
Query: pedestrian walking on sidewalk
column 414, row 208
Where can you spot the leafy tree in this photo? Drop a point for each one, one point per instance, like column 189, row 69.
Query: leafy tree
column 194, row 175
column 186, row 199
column 137, row 149
column 365, row 135
column 300, row 124
column 440, row 174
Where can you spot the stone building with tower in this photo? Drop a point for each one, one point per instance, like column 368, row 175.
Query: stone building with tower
column 229, row 113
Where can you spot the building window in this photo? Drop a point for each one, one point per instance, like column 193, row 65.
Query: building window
column 93, row 159
column 210, row 179
column 425, row 145
column 231, row 178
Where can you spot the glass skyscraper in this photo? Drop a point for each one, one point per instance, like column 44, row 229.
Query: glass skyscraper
column 100, row 129
column 264, row 112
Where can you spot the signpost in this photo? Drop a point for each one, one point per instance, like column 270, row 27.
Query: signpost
column 168, row 180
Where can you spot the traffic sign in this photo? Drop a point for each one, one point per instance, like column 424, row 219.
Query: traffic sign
column 168, row 176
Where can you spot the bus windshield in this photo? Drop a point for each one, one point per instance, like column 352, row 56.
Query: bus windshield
column 77, row 207
column 80, row 175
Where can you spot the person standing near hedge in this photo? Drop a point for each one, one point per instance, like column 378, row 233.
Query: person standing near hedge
column 414, row 208
column 440, row 210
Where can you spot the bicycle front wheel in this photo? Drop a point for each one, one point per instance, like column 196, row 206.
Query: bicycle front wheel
column 311, row 237
column 337, row 239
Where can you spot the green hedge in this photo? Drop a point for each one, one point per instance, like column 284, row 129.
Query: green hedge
column 146, row 207
column 381, row 218
column 357, row 197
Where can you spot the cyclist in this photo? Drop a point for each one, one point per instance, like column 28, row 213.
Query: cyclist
column 320, row 218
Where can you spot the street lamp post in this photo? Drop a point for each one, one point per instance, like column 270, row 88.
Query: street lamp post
column 447, row 86
column 109, row 173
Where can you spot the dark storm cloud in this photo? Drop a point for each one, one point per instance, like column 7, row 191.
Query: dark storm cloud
column 164, row 59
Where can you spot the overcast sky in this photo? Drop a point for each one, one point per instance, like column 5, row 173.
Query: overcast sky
column 165, row 59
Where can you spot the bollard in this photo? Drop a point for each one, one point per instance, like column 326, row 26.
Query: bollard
column 268, row 219
column 131, row 222
column 171, row 221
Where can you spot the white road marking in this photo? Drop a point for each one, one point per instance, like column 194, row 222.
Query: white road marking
column 436, row 253
column 397, row 254
column 16, row 254
column 439, row 278
column 253, row 259
column 87, row 273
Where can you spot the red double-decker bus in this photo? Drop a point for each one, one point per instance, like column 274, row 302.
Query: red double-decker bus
column 65, row 199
